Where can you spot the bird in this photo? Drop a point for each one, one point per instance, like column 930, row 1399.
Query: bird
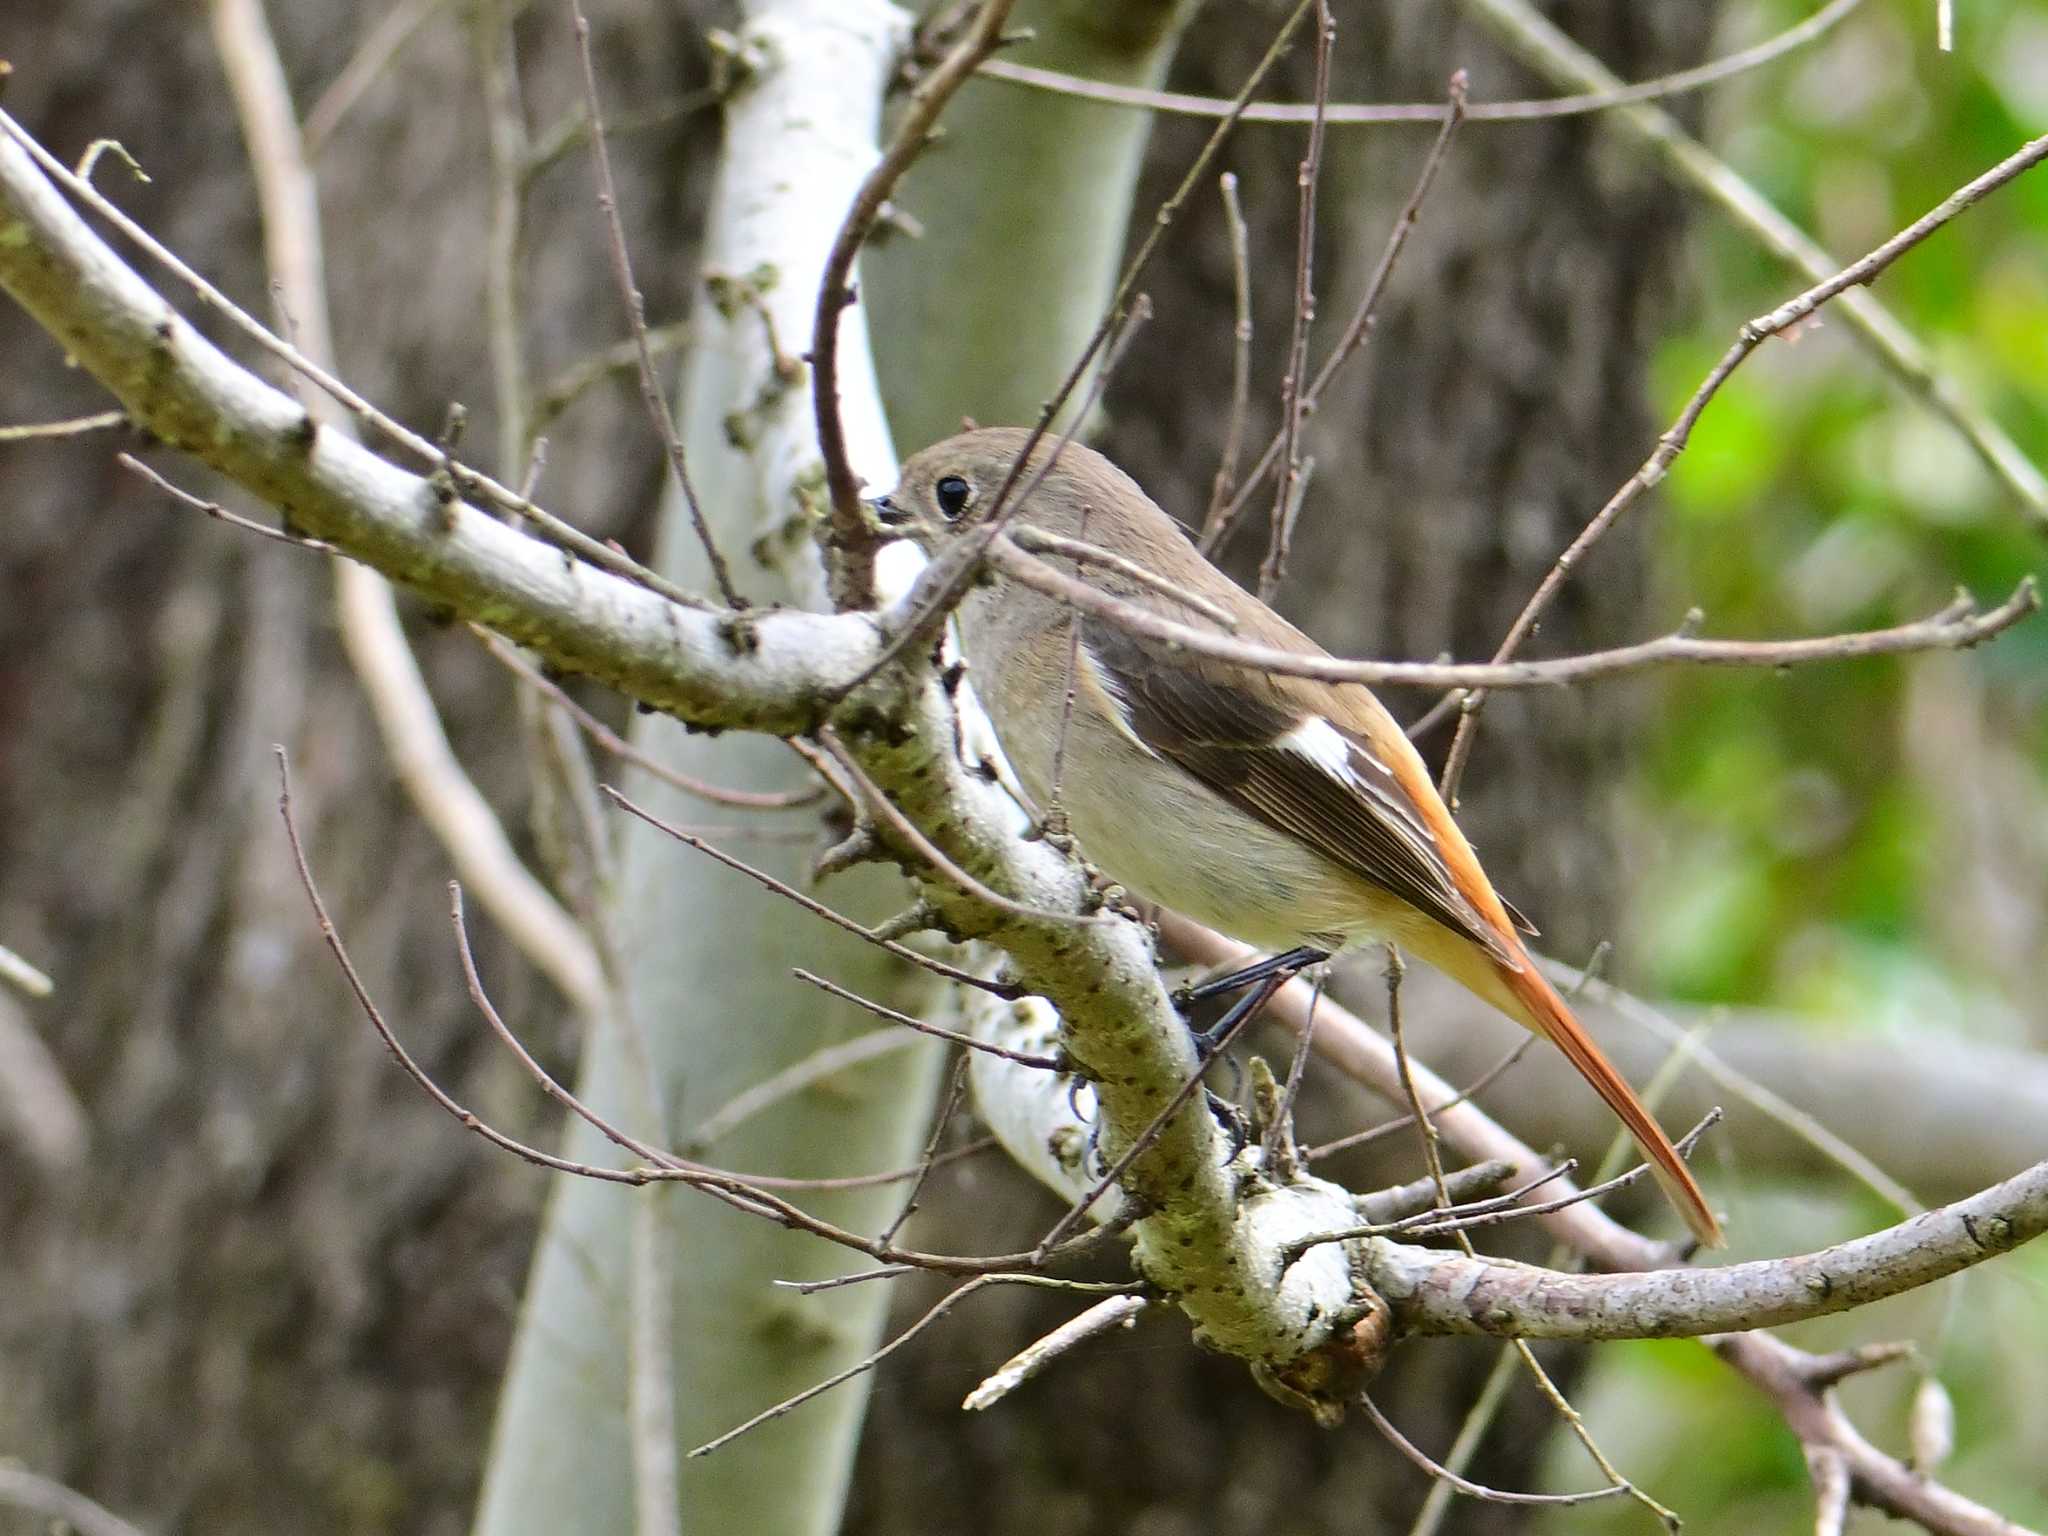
column 1292, row 814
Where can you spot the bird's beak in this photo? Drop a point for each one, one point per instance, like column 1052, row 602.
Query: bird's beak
column 888, row 514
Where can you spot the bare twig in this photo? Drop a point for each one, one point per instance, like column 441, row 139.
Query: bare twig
column 1673, row 442
column 1055, row 809
column 949, row 1105
column 909, row 1021
column 1443, row 1474
column 1240, row 356
column 1039, row 542
column 853, row 541
column 216, row 511
column 925, row 849
column 1537, row 40
column 1110, row 1312
column 621, row 358
column 1471, row 1090
column 651, row 392
column 1958, row 625
column 1530, row 1363
column 1759, row 1097
column 386, row 40
column 1344, row 114
column 1287, row 492
column 938, row 1310
column 617, row 746
column 1512, row 1206
column 1360, row 325
column 1281, row 1130
column 572, row 129
column 77, row 426
column 821, row 1065
column 816, row 908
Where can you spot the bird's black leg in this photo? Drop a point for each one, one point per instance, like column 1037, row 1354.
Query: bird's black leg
column 1240, row 1013
column 1286, row 965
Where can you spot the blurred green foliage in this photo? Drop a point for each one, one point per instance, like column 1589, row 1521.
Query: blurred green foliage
column 1810, row 861
column 1826, row 840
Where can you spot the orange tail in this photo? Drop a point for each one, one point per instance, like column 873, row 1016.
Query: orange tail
column 1542, row 1010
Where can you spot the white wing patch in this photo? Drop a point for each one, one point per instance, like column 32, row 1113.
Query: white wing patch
column 1342, row 759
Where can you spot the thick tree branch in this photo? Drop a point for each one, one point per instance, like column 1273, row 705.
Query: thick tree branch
column 1434, row 1292
column 717, row 670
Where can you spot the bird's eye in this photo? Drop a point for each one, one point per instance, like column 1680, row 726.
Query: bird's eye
column 952, row 494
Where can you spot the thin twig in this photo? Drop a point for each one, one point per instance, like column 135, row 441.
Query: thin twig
column 820, row 1065
column 1070, row 684
column 1039, row 542
column 1282, row 1126
column 1110, row 1312
column 386, row 40
column 910, row 1021
column 853, row 541
column 1530, row 1363
column 1485, row 1407
column 938, row 1310
column 1346, row 114
column 1445, row 1475
column 622, row 357
column 949, row 1105
column 219, row 513
column 924, row 848
column 77, row 426
column 1359, row 327
column 617, row 746
column 1764, row 1100
column 651, row 393
column 816, row 908
column 1958, row 625
column 1751, row 336
column 1286, row 494
column 572, row 129
column 1473, row 1089
column 745, row 1193
column 1240, row 355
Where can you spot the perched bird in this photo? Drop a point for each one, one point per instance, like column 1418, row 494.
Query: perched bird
column 1285, row 812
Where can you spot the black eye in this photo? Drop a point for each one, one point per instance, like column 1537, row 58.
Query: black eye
column 952, row 494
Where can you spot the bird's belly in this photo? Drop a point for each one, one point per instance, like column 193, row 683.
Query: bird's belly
column 1167, row 837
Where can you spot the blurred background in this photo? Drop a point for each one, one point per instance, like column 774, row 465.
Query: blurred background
column 249, row 1281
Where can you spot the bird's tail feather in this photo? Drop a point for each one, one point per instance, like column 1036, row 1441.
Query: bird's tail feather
column 1542, row 1010
column 1524, row 996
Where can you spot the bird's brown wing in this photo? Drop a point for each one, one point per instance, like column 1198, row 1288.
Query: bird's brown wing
column 1332, row 791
